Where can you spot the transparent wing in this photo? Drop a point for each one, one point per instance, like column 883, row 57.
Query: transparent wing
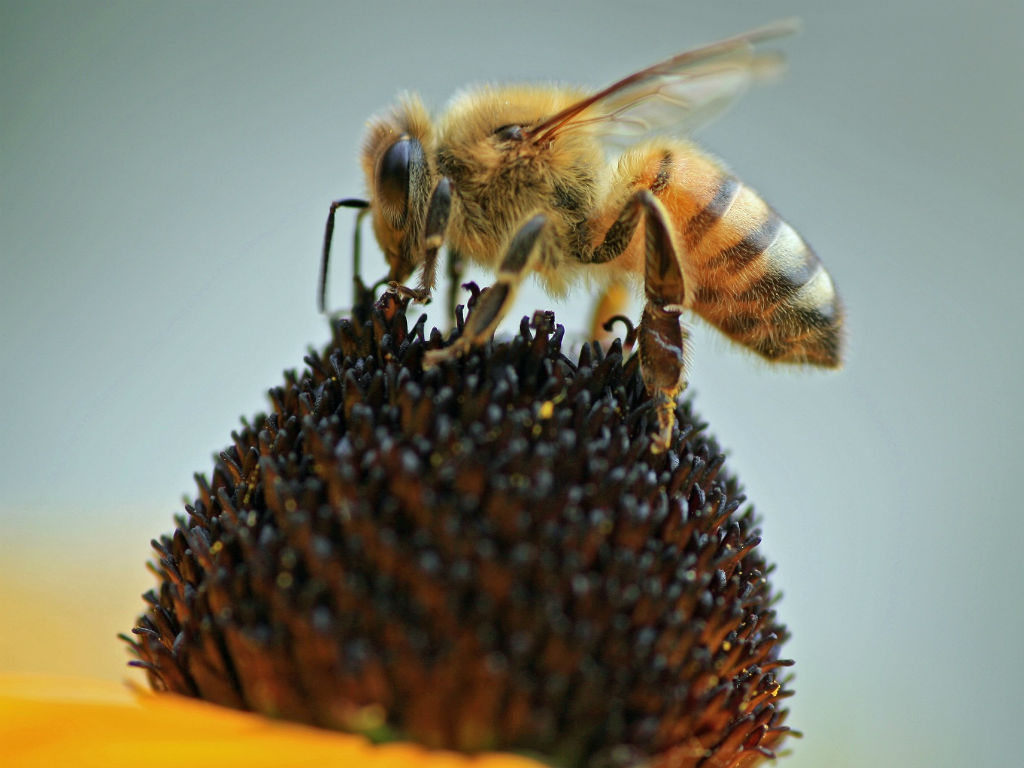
column 676, row 95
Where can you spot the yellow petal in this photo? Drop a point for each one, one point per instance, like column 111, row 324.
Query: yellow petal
column 84, row 723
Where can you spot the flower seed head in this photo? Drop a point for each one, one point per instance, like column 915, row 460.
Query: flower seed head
column 484, row 555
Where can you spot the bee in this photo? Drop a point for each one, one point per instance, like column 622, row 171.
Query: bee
column 518, row 179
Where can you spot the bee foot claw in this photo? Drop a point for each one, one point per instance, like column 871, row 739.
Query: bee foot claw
column 416, row 294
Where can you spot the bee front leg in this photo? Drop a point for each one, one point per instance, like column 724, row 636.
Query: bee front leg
column 662, row 337
column 494, row 302
column 438, row 211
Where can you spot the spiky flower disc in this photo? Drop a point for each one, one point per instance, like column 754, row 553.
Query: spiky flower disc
column 480, row 556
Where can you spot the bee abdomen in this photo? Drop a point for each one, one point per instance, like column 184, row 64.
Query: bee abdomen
column 759, row 282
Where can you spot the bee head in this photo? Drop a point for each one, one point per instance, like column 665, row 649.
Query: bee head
column 399, row 177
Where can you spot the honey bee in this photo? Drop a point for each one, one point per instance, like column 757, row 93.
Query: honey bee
column 517, row 179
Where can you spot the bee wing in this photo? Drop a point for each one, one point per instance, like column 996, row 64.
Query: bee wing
column 675, row 95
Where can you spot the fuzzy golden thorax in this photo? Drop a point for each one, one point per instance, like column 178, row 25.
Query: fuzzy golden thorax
column 502, row 177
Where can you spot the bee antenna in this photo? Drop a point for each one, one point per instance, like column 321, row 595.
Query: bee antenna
column 348, row 202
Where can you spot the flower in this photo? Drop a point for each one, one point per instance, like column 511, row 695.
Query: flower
column 98, row 724
column 481, row 557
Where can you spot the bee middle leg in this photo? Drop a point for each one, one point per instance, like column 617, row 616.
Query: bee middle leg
column 494, row 303
column 615, row 297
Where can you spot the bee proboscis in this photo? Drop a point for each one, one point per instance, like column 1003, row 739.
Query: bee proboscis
column 517, row 178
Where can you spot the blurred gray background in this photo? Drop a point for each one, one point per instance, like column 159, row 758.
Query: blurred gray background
column 165, row 171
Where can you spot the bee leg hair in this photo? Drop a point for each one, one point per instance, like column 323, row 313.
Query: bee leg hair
column 494, row 302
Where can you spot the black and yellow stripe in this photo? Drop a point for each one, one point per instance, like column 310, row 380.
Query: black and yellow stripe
column 758, row 281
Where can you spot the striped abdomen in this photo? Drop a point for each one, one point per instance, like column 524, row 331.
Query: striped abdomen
column 748, row 272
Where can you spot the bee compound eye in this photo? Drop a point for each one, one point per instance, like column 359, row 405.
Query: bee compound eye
column 393, row 176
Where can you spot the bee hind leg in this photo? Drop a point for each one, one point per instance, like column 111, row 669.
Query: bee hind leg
column 662, row 338
column 494, row 302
